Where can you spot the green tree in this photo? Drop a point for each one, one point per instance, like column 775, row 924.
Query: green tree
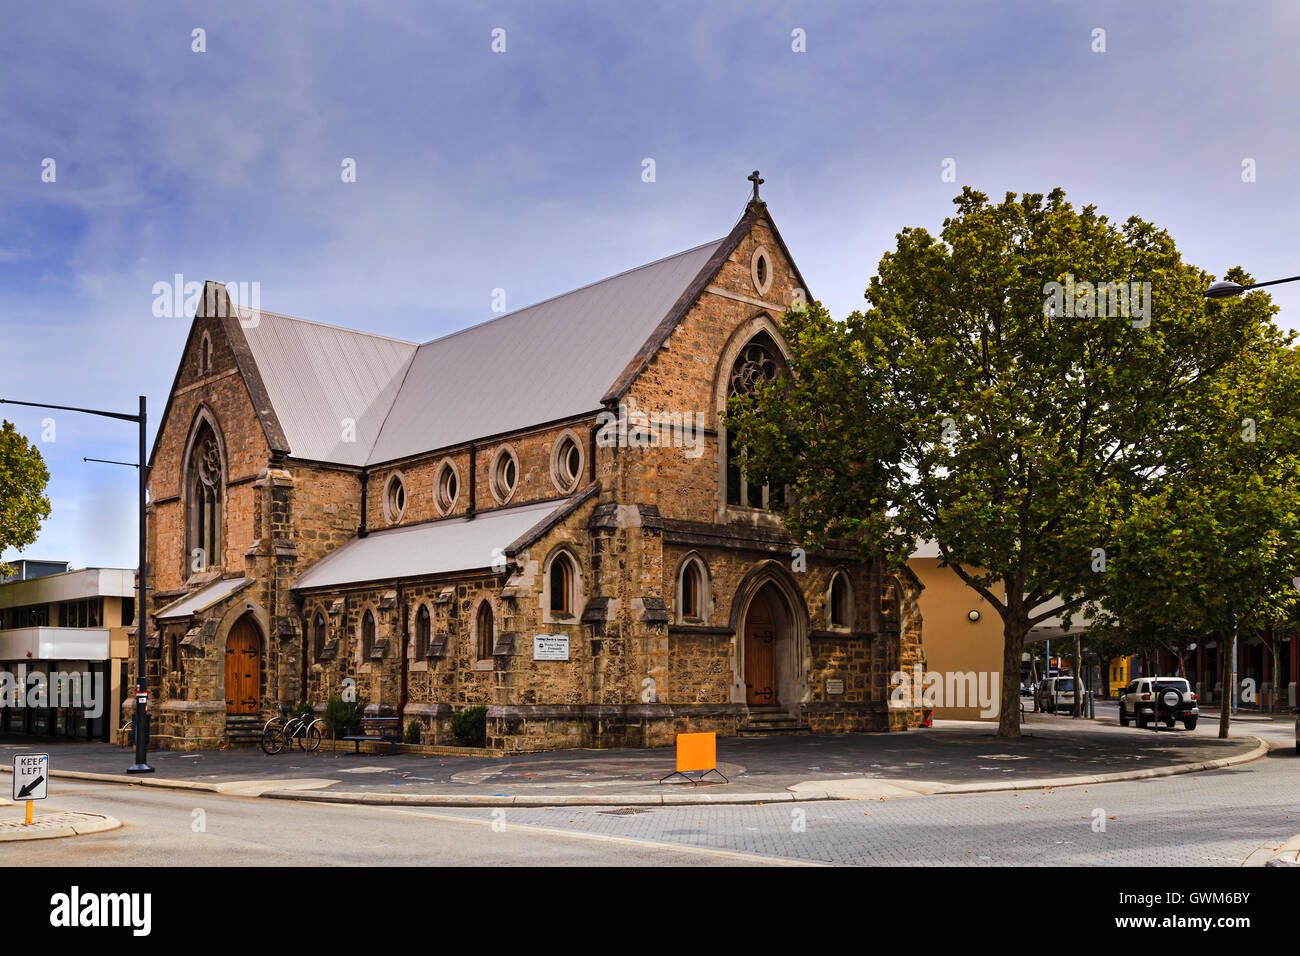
column 23, row 502
column 974, row 404
column 1212, row 551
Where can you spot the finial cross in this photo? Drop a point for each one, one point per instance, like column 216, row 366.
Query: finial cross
column 757, row 181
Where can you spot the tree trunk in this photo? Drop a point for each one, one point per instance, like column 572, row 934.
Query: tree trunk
column 1225, row 698
column 1277, row 663
column 1014, row 628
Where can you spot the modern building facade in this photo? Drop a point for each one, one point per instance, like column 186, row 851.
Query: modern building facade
column 540, row 514
column 63, row 644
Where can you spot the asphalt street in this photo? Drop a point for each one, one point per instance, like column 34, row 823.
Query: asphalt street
column 178, row 828
column 1220, row 818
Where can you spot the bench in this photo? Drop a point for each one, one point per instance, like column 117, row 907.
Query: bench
column 376, row 729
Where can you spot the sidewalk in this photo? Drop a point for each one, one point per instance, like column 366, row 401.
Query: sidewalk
column 1210, row 712
column 952, row 757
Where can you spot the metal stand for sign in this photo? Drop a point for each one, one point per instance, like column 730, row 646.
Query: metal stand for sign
column 695, row 781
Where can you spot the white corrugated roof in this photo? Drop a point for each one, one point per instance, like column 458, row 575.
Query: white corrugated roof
column 201, row 599
column 542, row 363
column 545, row 362
column 438, row 547
column 330, row 387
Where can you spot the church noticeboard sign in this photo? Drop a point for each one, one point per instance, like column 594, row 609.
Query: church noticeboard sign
column 834, row 688
column 550, row 647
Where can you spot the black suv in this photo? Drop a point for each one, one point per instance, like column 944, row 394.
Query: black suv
column 1168, row 699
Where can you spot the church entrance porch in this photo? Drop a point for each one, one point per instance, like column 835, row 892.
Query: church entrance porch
column 773, row 664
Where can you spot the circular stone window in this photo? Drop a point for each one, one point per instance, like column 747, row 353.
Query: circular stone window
column 394, row 498
column 760, row 269
column 566, row 462
column 446, row 487
column 505, row 474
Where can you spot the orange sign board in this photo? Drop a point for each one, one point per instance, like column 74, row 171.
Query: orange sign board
column 697, row 752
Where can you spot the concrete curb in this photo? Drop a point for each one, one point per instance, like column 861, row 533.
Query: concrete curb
column 915, row 787
column 557, row 800
column 1260, row 749
column 1288, row 854
column 166, row 783
column 71, row 823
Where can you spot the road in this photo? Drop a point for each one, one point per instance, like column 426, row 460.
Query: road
column 188, row 828
column 1212, row 819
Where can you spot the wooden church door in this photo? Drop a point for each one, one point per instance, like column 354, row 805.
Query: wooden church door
column 243, row 668
column 760, row 653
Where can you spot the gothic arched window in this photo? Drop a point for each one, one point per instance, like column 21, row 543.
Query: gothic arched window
column 318, row 635
column 367, row 635
column 755, row 366
column 205, row 493
column 561, row 585
column 483, row 632
column 839, row 601
column 422, row 629
column 205, row 355
column 692, row 591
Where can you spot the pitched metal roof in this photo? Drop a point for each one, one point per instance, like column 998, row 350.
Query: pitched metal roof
column 354, row 398
column 438, row 547
column 320, row 378
column 540, row 364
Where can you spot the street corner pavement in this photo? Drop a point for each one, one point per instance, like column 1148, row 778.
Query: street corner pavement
column 48, row 825
column 1288, row 854
column 951, row 757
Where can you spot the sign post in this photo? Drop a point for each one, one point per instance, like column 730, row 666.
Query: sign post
column 31, row 779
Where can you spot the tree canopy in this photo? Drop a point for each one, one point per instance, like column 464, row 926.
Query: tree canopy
column 1016, row 388
column 23, row 502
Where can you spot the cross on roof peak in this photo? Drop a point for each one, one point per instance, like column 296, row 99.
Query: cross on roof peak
column 757, row 181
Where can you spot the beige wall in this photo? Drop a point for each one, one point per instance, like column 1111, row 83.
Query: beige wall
column 953, row 642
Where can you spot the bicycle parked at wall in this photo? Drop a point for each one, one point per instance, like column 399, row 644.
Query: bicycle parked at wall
column 306, row 730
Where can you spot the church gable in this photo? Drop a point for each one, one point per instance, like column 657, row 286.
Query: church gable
column 211, row 424
column 687, row 375
column 750, row 266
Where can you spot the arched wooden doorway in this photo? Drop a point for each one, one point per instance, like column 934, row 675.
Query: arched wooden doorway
column 760, row 652
column 243, row 667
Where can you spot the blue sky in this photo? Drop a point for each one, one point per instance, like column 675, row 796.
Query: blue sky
column 522, row 170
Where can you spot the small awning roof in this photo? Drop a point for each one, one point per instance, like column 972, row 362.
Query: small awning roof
column 202, row 599
column 438, row 547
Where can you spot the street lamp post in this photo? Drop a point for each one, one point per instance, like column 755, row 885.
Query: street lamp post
column 141, row 723
column 1223, row 289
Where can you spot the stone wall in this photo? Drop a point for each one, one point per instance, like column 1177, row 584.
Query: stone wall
column 536, row 479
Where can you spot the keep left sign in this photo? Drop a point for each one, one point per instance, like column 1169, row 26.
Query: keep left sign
column 31, row 775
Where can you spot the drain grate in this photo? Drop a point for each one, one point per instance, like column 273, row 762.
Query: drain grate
column 624, row 811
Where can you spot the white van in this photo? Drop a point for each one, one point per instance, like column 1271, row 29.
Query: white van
column 1056, row 695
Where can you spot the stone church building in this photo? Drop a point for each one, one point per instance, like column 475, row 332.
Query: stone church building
column 540, row 514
